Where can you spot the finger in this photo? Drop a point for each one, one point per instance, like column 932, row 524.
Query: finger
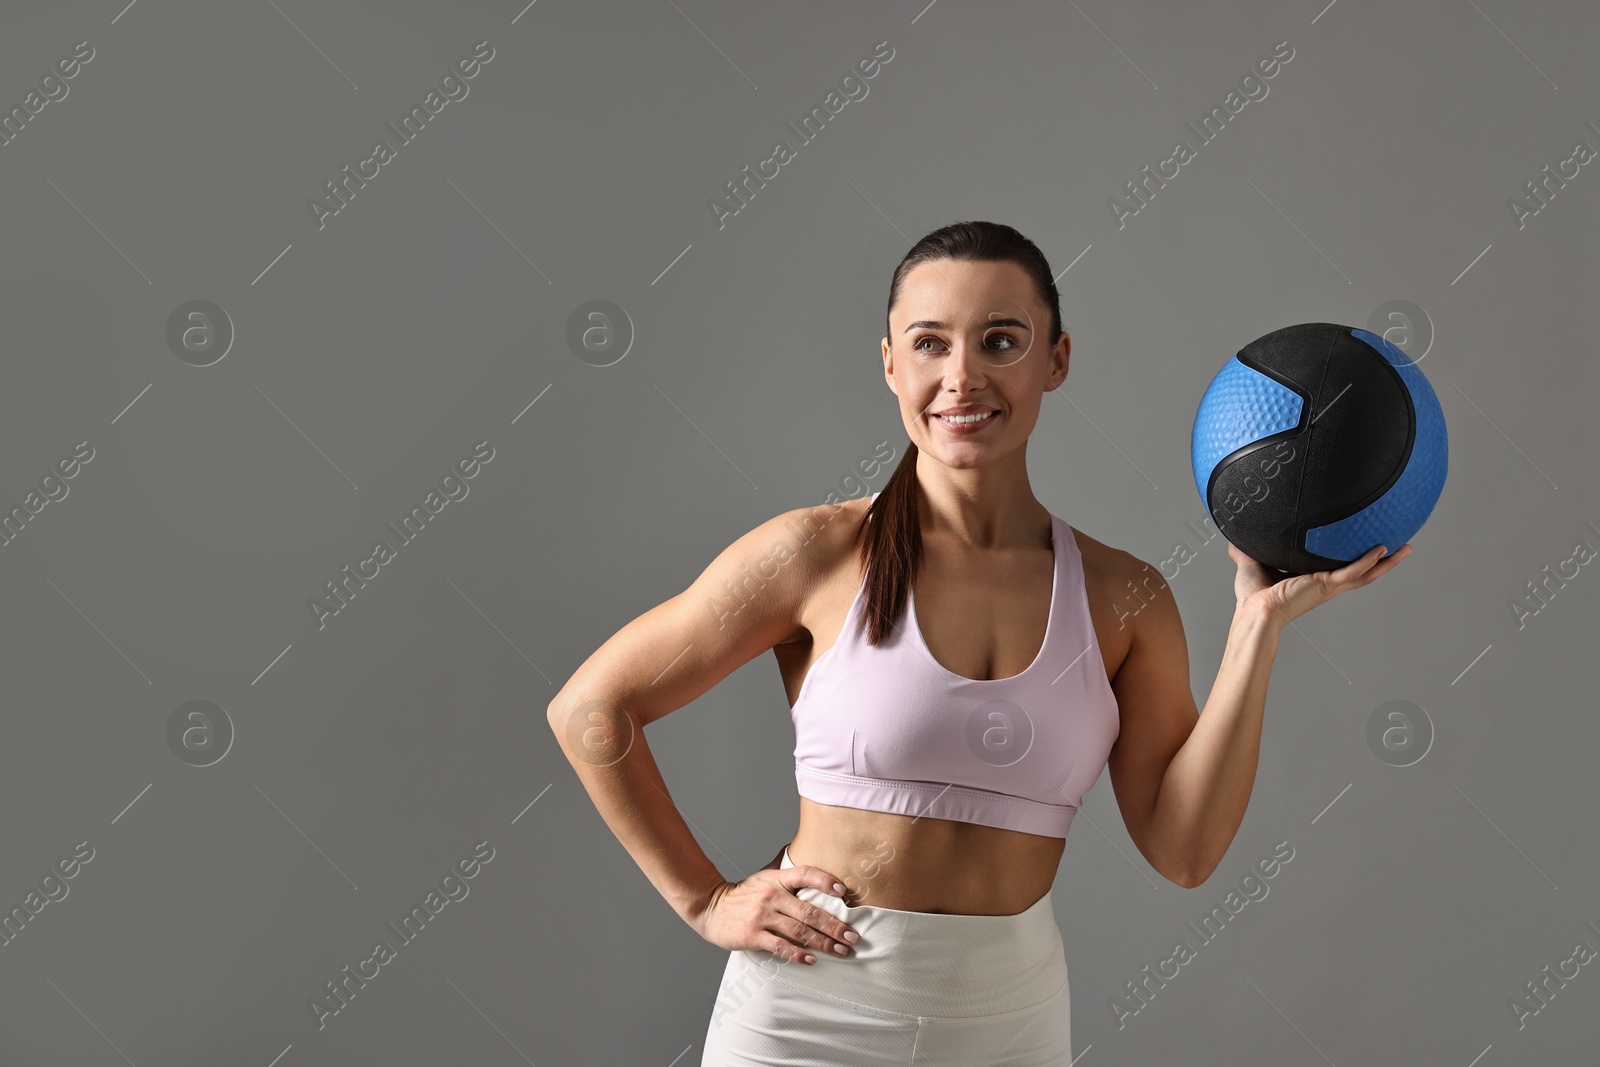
column 785, row 950
column 790, row 926
column 812, row 925
column 1364, row 571
column 795, row 932
column 1357, row 567
column 815, row 877
column 832, row 933
column 1387, row 564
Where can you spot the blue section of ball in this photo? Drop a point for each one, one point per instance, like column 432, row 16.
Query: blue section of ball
column 1399, row 513
column 1240, row 406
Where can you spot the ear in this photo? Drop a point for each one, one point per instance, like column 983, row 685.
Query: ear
column 1060, row 359
column 888, row 365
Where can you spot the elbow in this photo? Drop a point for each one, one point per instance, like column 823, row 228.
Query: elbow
column 595, row 731
column 558, row 716
column 1185, row 869
column 564, row 705
column 1193, row 875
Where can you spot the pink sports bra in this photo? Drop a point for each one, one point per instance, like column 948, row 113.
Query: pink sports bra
column 888, row 728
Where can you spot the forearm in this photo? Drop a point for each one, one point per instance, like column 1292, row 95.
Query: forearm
column 608, row 751
column 1207, row 785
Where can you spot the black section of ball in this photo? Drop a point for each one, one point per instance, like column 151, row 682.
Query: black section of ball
column 1352, row 441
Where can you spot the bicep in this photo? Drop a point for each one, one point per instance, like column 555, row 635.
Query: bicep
column 1158, row 713
column 741, row 605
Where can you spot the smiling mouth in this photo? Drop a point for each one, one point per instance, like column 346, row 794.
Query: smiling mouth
column 966, row 420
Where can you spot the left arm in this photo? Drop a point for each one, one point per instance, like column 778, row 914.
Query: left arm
column 1183, row 779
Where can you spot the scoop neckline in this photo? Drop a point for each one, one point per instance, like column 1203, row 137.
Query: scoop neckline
column 1056, row 550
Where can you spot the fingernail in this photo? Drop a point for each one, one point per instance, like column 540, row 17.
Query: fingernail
column 809, row 958
column 851, row 936
column 838, row 888
column 840, row 949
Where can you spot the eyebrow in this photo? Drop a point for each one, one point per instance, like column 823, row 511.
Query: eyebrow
column 934, row 324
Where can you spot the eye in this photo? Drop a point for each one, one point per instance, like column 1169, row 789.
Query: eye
column 996, row 342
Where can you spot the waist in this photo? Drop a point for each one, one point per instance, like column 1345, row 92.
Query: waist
column 926, row 864
column 932, row 963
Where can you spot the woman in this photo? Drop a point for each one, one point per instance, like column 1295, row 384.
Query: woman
column 946, row 732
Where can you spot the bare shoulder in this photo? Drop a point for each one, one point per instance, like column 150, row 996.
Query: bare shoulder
column 1108, row 568
column 822, row 542
column 1118, row 586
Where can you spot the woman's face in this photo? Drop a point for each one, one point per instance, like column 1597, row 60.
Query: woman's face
column 970, row 336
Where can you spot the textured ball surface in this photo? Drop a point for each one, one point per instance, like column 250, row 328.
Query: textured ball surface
column 1316, row 442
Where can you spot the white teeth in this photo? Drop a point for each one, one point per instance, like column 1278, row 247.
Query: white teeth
column 965, row 418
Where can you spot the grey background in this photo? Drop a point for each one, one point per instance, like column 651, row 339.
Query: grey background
column 371, row 354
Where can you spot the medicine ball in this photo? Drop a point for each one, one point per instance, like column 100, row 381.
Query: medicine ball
column 1316, row 442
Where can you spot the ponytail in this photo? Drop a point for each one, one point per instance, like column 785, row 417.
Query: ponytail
column 893, row 548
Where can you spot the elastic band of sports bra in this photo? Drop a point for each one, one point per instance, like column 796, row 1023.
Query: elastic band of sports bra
column 936, row 800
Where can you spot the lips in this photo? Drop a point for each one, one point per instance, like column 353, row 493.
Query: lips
column 959, row 420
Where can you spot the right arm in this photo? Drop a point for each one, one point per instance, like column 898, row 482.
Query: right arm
column 661, row 661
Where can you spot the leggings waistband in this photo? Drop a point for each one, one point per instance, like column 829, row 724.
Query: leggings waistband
column 931, row 964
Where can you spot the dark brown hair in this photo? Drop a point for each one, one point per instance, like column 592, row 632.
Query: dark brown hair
column 890, row 527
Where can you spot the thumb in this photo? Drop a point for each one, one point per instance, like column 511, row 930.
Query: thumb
column 815, row 877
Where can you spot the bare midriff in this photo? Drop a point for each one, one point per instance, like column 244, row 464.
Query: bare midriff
column 923, row 864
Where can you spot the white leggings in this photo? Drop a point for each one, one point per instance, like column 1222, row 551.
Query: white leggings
column 919, row 988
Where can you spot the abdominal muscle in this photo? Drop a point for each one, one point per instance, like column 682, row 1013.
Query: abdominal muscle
column 920, row 863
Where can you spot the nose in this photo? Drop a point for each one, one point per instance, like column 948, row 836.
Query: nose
column 964, row 368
